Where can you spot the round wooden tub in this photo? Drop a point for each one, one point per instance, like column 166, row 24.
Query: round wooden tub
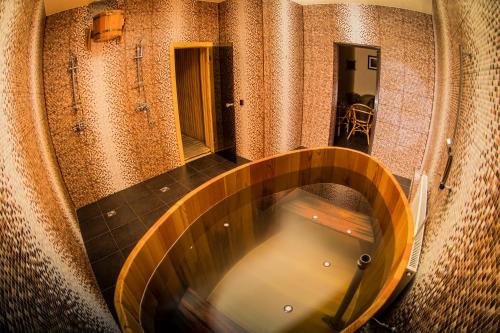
column 148, row 278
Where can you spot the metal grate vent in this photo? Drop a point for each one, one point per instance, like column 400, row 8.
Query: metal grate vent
column 416, row 250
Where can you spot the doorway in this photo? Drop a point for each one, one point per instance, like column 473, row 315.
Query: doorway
column 202, row 87
column 357, row 96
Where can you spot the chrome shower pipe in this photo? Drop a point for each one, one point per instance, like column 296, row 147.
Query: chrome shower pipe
column 138, row 60
column 73, row 65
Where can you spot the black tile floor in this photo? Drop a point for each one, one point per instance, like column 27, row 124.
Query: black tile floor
column 356, row 141
column 112, row 226
column 405, row 184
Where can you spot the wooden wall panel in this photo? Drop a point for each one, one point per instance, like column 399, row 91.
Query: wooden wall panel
column 189, row 93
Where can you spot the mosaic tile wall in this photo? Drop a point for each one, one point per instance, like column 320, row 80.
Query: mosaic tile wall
column 119, row 146
column 341, row 196
column 456, row 288
column 406, row 79
column 283, row 74
column 46, row 283
column 240, row 23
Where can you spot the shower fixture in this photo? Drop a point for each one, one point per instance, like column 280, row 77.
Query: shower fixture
column 142, row 106
column 72, row 69
column 73, row 65
column 138, row 62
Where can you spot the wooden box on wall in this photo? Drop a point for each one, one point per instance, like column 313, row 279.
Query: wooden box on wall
column 107, row 25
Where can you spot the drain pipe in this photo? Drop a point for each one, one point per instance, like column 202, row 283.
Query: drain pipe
column 363, row 262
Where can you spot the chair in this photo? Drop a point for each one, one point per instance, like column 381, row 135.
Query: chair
column 344, row 119
column 368, row 100
column 361, row 118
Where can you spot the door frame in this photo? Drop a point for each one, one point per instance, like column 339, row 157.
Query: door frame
column 208, row 101
column 333, row 118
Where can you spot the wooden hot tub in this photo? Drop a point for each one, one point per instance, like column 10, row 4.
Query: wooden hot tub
column 189, row 248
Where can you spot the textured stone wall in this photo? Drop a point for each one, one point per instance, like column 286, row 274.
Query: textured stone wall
column 240, row 23
column 283, row 74
column 46, row 283
column 406, row 41
column 456, row 287
column 119, row 146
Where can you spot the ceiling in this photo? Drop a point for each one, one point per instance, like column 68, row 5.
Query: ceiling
column 56, row 6
column 425, row 6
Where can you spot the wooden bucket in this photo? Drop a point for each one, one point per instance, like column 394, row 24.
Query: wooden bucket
column 108, row 25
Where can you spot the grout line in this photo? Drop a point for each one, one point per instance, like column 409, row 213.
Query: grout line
column 138, row 216
column 93, row 238
column 108, row 288
column 118, row 227
column 113, row 237
column 144, row 224
column 88, row 219
column 106, row 256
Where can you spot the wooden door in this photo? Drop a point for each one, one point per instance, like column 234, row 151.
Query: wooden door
column 189, row 92
column 224, row 111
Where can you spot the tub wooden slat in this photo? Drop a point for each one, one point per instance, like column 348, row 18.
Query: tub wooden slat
column 267, row 176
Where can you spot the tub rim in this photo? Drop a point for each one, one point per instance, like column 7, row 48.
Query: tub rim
column 124, row 314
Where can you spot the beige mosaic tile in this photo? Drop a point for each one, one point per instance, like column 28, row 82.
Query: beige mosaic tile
column 119, row 146
column 456, row 286
column 283, row 75
column 406, row 70
column 240, row 23
column 45, row 277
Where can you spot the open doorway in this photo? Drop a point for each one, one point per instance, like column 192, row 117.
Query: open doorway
column 202, row 87
column 358, row 80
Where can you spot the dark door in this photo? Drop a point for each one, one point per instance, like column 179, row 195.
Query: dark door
column 225, row 136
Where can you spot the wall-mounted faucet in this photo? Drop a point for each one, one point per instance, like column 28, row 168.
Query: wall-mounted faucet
column 142, row 107
column 79, row 127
